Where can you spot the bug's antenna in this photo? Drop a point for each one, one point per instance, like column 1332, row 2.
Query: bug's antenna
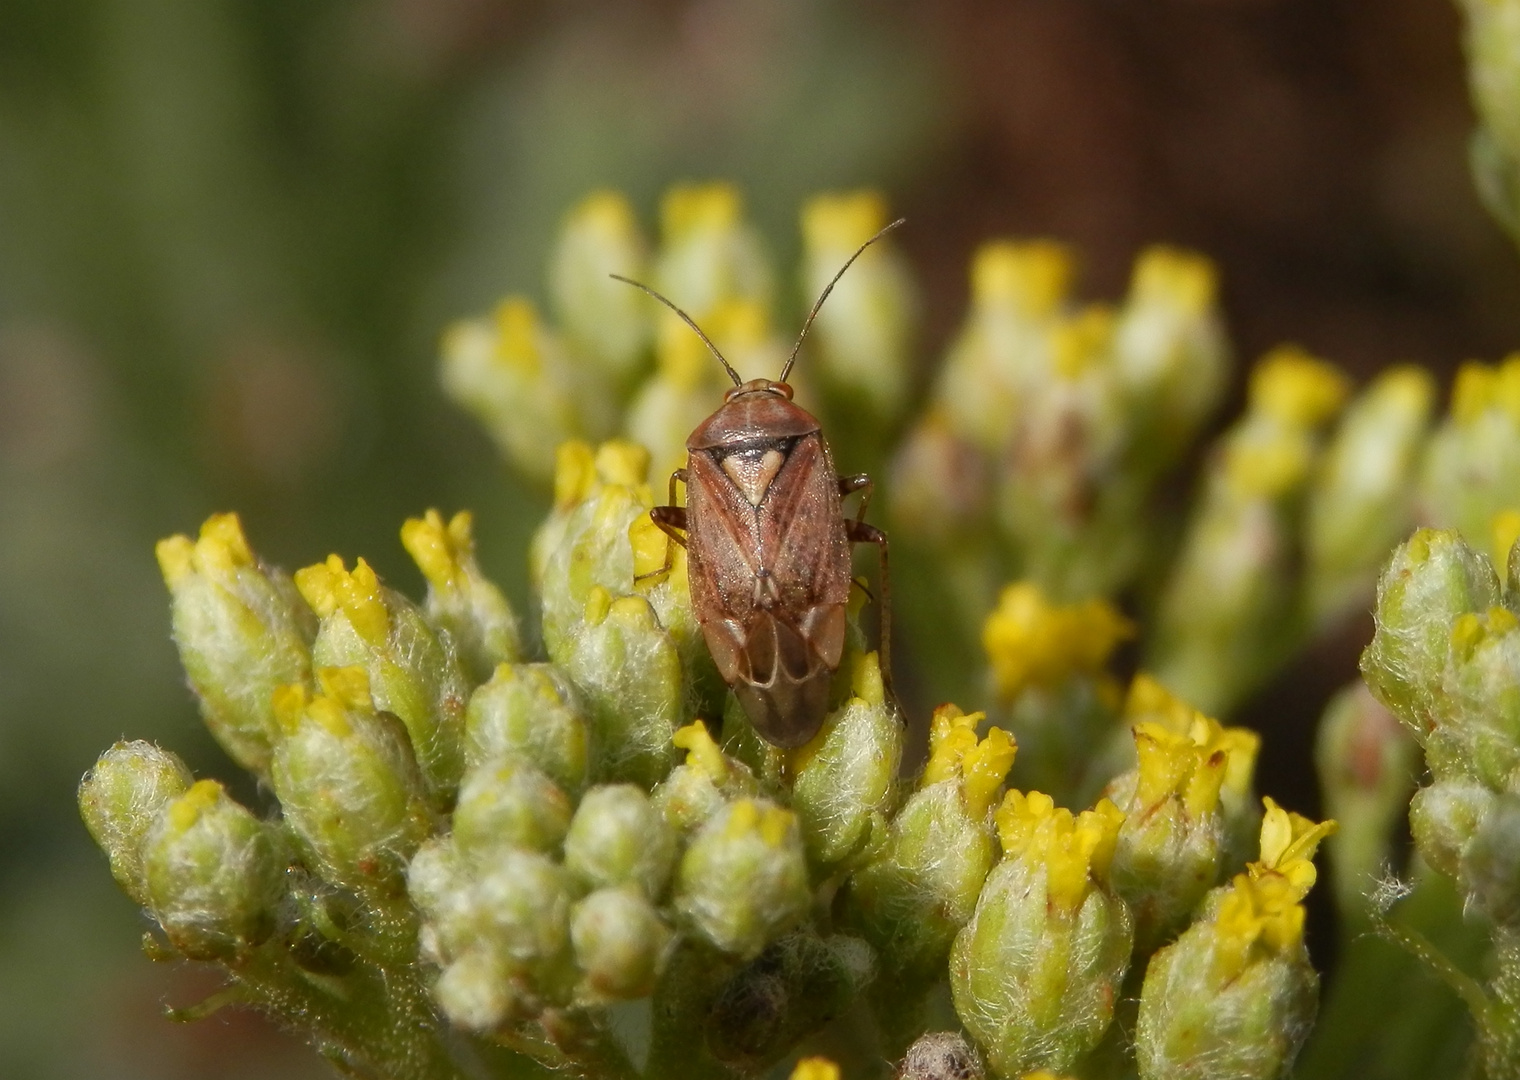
column 687, row 319
column 807, row 324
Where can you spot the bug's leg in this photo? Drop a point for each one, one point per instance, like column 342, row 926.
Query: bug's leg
column 672, row 522
column 853, row 483
column 858, row 532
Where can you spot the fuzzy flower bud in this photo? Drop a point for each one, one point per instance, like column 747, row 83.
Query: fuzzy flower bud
column 743, row 879
column 519, row 381
column 1360, row 503
column 865, row 332
column 509, row 804
column 411, row 672
column 461, row 600
column 940, row 487
column 620, row 943
column 347, row 780
column 1017, row 291
column 708, row 253
column 1037, row 970
column 605, row 320
column 1169, row 349
column 1172, row 844
column 629, row 673
column 508, row 924
column 241, row 631
column 1367, row 766
column 1444, row 817
column 844, row 780
column 701, row 785
column 1235, row 995
column 1471, row 467
column 532, row 711
column 619, row 837
column 214, row 874
column 1432, row 579
column 920, row 886
column 1489, row 869
column 121, row 797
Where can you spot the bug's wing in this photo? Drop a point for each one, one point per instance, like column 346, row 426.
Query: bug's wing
column 801, row 530
column 723, row 543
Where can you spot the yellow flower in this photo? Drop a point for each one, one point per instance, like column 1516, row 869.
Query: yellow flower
column 1032, row 278
column 955, row 752
column 1288, row 844
column 1296, row 388
column 815, row 1068
column 330, row 588
column 441, row 551
column 765, row 819
column 1258, row 913
column 1074, row 849
column 1032, row 642
column 691, row 208
column 1505, row 530
column 1180, row 279
column 844, row 221
column 701, row 752
column 1185, row 753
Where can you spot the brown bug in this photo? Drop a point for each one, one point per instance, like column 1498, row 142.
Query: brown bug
column 768, row 545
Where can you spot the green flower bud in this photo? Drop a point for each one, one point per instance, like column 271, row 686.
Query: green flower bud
column 509, row 804
column 797, row 985
column 347, row 781
column 529, row 710
column 606, row 320
column 476, row 992
column 1037, row 970
column 520, row 908
column 1443, row 819
column 1479, row 733
column 241, row 630
column 1432, row 579
column 586, row 545
column 619, row 836
column 845, row 780
column 1171, row 844
column 121, row 797
column 940, row 1055
column 1169, row 350
column 462, row 601
column 703, row 784
column 918, row 888
column 1360, row 502
column 743, row 879
column 940, row 488
column 214, row 874
column 1228, row 611
column 708, row 253
column 411, row 673
column 1018, row 291
column 630, row 676
column 1492, row 45
column 1490, row 863
column 519, row 381
column 1235, row 995
column 438, row 881
column 620, row 943
column 864, row 334
column 1471, row 467
column 1367, row 766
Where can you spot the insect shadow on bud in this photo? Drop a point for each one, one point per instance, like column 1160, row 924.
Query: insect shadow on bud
column 768, row 544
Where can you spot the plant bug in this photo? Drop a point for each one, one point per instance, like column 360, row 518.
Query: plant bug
column 768, row 544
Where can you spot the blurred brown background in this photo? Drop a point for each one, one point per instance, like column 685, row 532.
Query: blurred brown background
column 230, row 231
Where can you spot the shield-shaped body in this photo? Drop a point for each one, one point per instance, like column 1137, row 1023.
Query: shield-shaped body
column 769, row 561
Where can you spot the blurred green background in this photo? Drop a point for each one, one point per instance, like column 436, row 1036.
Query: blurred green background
column 231, row 231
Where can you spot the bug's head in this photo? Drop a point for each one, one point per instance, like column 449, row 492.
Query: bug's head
column 759, row 386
